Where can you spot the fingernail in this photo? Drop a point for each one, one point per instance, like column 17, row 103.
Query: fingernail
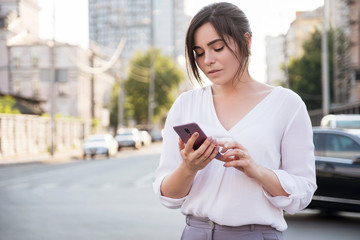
column 196, row 134
column 209, row 138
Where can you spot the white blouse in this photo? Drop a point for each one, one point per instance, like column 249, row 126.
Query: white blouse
column 277, row 133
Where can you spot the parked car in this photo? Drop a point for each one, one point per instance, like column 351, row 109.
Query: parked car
column 337, row 155
column 348, row 121
column 100, row 144
column 145, row 138
column 128, row 137
column 156, row 135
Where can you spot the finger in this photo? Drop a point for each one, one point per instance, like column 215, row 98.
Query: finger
column 210, row 145
column 213, row 154
column 190, row 143
column 181, row 144
column 237, row 164
column 234, row 154
column 206, row 148
column 229, row 145
column 203, row 158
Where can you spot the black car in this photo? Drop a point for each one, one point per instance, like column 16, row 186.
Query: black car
column 337, row 155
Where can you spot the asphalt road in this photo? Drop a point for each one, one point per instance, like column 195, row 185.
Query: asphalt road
column 113, row 199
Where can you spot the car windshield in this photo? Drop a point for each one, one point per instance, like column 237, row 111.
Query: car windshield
column 354, row 124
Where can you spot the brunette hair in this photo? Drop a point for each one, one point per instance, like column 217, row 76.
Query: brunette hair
column 228, row 21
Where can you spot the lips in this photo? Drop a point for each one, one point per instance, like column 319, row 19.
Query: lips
column 213, row 71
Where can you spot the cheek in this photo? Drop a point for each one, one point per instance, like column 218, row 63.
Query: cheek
column 199, row 64
column 234, row 63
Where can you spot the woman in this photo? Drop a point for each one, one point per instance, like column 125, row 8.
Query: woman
column 263, row 133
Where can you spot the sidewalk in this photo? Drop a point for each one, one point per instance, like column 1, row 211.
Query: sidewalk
column 59, row 157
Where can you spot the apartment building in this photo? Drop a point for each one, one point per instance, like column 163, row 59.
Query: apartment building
column 143, row 23
column 26, row 64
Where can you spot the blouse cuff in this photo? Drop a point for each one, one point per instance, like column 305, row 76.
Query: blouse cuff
column 166, row 201
column 291, row 203
column 172, row 202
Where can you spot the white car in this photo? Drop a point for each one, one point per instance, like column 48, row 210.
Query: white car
column 100, row 144
column 347, row 121
column 128, row 137
column 145, row 137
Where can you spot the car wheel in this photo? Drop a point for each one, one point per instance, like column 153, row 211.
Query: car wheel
column 92, row 156
column 107, row 154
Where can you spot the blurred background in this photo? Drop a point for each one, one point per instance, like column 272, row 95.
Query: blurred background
column 95, row 66
column 94, row 79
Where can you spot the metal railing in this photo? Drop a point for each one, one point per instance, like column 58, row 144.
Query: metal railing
column 24, row 135
column 350, row 108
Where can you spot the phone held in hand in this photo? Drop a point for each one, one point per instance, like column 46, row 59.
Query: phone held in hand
column 186, row 130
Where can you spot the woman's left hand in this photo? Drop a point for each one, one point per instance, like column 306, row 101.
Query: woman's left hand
column 235, row 155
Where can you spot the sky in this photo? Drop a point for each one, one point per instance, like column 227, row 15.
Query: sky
column 267, row 18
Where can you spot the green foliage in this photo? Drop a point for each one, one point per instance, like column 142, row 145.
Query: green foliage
column 167, row 78
column 305, row 73
column 7, row 104
column 95, row 124
column 113, row 105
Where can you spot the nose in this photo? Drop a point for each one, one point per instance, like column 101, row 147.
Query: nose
column 209, row 58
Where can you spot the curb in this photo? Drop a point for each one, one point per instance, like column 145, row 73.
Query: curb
column 61, row 157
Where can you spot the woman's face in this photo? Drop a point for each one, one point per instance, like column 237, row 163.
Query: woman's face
column 212, row 56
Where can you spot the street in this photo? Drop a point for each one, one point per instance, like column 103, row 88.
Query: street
column 113, row 199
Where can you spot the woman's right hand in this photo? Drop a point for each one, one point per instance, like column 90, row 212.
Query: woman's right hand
column 196, row 160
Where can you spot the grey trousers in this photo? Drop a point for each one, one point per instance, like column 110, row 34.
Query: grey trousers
column 204, row 229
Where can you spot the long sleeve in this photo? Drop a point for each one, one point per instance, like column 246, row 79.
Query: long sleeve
column 170, row 155
column 297, row 170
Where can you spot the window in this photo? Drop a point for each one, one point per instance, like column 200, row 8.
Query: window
column 317, row 144
column 61, row 75
column 339, row 146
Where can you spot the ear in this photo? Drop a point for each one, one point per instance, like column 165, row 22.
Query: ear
column 248, row 40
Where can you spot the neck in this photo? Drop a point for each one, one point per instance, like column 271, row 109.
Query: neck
column 237, row 85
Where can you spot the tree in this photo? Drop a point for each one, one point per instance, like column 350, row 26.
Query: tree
column 305, row 72
column 167, row 79
column 113, row 105
column 7, row 104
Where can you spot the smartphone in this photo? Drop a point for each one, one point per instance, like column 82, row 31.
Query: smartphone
column 186, row 130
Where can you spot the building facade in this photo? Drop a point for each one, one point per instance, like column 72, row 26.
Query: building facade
column 30, row 68
column 281, row 49
column 275, row 59
column 344, row 17
column 18, row 20
column 26, row 66
column 109, row 21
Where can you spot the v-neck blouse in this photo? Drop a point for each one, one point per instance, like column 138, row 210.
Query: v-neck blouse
column 278, row 135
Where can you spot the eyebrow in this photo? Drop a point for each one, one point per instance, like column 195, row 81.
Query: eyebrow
column 210, row 43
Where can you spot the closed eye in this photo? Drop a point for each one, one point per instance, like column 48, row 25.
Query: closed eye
column 219, row 49
column 198, row 54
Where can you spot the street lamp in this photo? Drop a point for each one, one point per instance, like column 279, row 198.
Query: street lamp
column 52, row 45
column 325, row 62
column 152, row 70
